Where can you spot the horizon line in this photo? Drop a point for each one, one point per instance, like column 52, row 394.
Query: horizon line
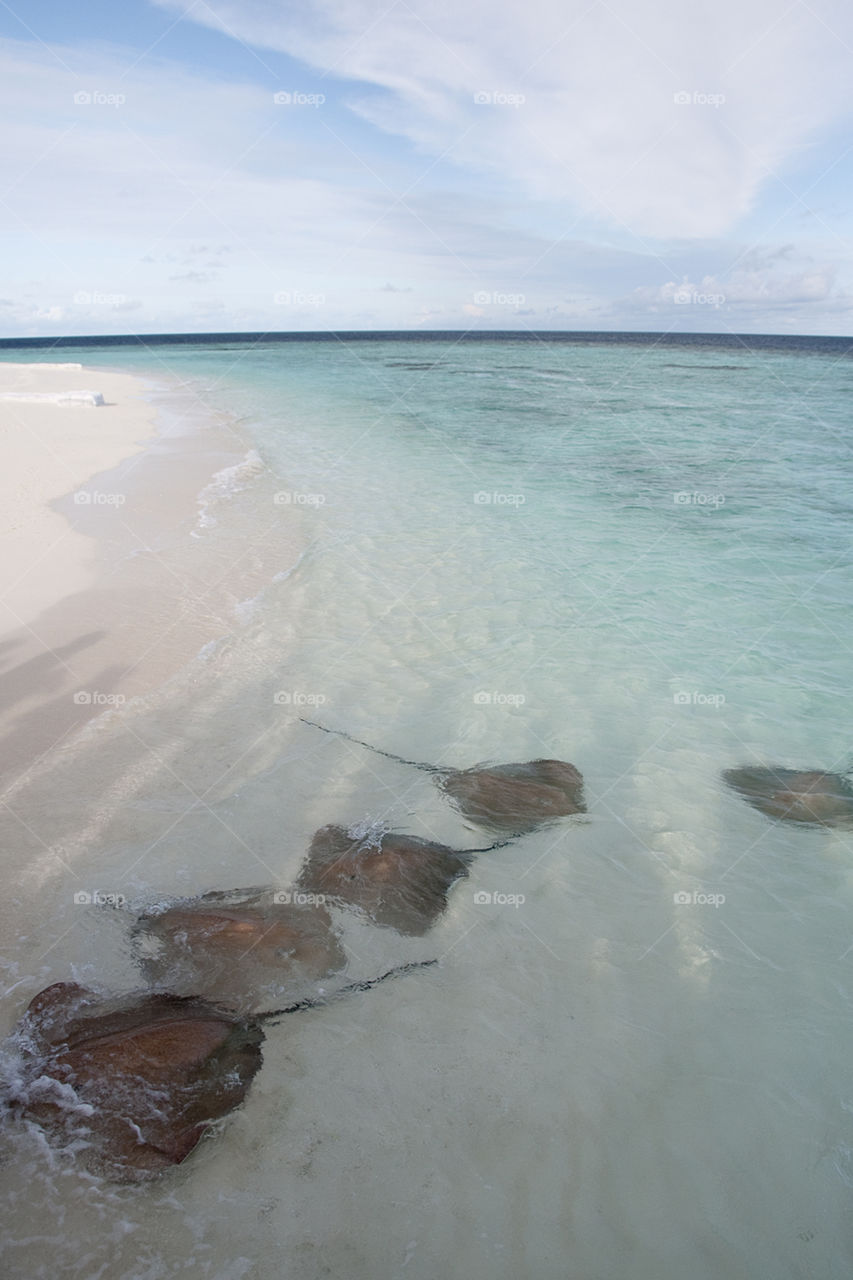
column 491, row 335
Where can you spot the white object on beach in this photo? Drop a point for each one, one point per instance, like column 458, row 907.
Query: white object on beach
column 45, row 364
column 54, row 397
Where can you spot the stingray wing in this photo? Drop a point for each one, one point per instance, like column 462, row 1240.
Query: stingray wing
column 150, row 1077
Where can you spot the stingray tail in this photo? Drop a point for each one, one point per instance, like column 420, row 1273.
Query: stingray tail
column 499, row 844
column 339, row 733
column 319, row 1002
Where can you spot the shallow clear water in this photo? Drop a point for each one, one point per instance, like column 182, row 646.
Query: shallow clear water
column 636, row 559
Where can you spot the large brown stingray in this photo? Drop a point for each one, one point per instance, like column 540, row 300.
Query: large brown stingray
column 796, row 795
column 397, row 880
column 140, row 1081
column 510, row 799
column 244, row 949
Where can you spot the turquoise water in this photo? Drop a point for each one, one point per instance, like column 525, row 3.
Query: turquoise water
column 674, row 516
column 633, row 558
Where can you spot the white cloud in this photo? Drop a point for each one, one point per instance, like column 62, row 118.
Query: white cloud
column 149, row 202
column 194, row 202
column 770, row 290
column 621, row 115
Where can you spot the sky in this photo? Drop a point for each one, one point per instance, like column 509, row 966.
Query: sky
column 245, row 165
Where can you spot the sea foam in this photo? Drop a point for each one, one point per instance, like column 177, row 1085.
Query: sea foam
column 225, row 484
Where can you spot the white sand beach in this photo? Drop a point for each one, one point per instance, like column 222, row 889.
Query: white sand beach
column 53, row 438
column 105, row 592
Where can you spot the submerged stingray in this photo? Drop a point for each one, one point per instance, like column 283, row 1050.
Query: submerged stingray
column 512, row 799
column 244, row 948
column 135, row 1083
column 797, row 795
column 397, row 880
column 516, row 798
column 139, row 1081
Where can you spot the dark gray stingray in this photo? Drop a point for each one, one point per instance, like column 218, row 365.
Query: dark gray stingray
column 796, row 795
column 397, row 880
column 243, row 949
column 138, row 1081
column 508, row 799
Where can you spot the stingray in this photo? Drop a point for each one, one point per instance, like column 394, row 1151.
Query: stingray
column 397, row 880
column 797, row 795
column 139, row 1081
column 134, row 1084
column 242, row 948
column 509, row 799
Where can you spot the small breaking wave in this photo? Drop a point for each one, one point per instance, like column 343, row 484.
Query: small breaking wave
column 369, row 833
column 224, row 485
